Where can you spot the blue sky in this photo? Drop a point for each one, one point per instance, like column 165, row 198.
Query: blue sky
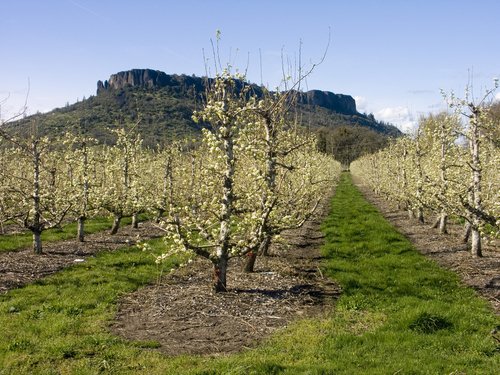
column 392, row 56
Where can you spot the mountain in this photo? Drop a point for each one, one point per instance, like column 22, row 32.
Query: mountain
column 164, row 103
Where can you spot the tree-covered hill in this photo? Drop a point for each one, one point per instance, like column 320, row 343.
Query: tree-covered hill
column 162, row 105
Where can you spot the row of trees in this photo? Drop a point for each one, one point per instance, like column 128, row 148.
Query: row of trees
column 43, row 182
column 228, row 194
column 259, row 175
column 449, row 167
column 348, row 143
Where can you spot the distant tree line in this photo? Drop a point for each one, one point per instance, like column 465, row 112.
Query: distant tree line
column 348, row 143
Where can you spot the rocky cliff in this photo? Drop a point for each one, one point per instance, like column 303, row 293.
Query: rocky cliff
column 148, row 78
column 155, row 79
column 340, row 103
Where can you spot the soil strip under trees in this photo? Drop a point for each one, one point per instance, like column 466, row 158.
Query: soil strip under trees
column 185, row 316
column 482, row 274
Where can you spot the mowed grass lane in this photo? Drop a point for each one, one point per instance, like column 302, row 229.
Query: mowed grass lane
column 23, row 240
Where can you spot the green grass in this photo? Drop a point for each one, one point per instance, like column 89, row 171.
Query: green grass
column 18, row 241
column 60, row 322
column 431, row 324
column 398, row 313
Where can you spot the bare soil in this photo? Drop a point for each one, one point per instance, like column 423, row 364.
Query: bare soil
column 482, row 274
column 184, row 316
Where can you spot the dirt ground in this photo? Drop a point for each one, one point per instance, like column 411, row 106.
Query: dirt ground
column 482, row 274
column 186, row 317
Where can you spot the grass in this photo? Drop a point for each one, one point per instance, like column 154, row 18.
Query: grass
column 398, row 313
column 431, row 323
column 19, row 241
column 60, row 322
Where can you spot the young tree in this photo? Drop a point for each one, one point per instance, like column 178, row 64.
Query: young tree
column 281, row 148
column 33, row 186
column 80, row 154
column 441, row 133
column 230, row 212
column 165, row 168
column 417, row 154
column 224, row 111
column 477, row 124
column 120, row 190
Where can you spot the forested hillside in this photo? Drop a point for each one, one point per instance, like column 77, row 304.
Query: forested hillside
column 162, row 106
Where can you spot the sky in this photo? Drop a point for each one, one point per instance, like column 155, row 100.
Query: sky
column 392, row 56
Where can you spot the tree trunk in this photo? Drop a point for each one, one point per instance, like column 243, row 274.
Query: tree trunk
column 159, row 215
column 36, row 227
column 476, row 243
column 443, row 223
column 264, row 247
column 420, row 215
column 135, row 221
column 252, row 256
column 474, row 145
column 226, row 212
column 467, row 232
column 116, row 224
column 81, row 229
column 219, row 277
column 37, row 241
column 250, row 262
column 443, row 217
column 436, row 222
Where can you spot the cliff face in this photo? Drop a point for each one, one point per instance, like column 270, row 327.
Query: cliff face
column 340, row 103
column 148, row 78
column 155, row 79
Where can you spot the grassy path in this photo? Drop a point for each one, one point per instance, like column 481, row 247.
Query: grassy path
column 399, row 313
column 19, row 241
column 414, row 316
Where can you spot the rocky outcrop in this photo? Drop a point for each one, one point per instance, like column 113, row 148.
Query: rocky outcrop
column 148, row 78
column 155, row 79
column 340, row 103
column 139, row 77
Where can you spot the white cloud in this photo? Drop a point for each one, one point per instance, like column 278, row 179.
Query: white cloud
column 361, row 103
column 399, row 116
column 497, row 97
